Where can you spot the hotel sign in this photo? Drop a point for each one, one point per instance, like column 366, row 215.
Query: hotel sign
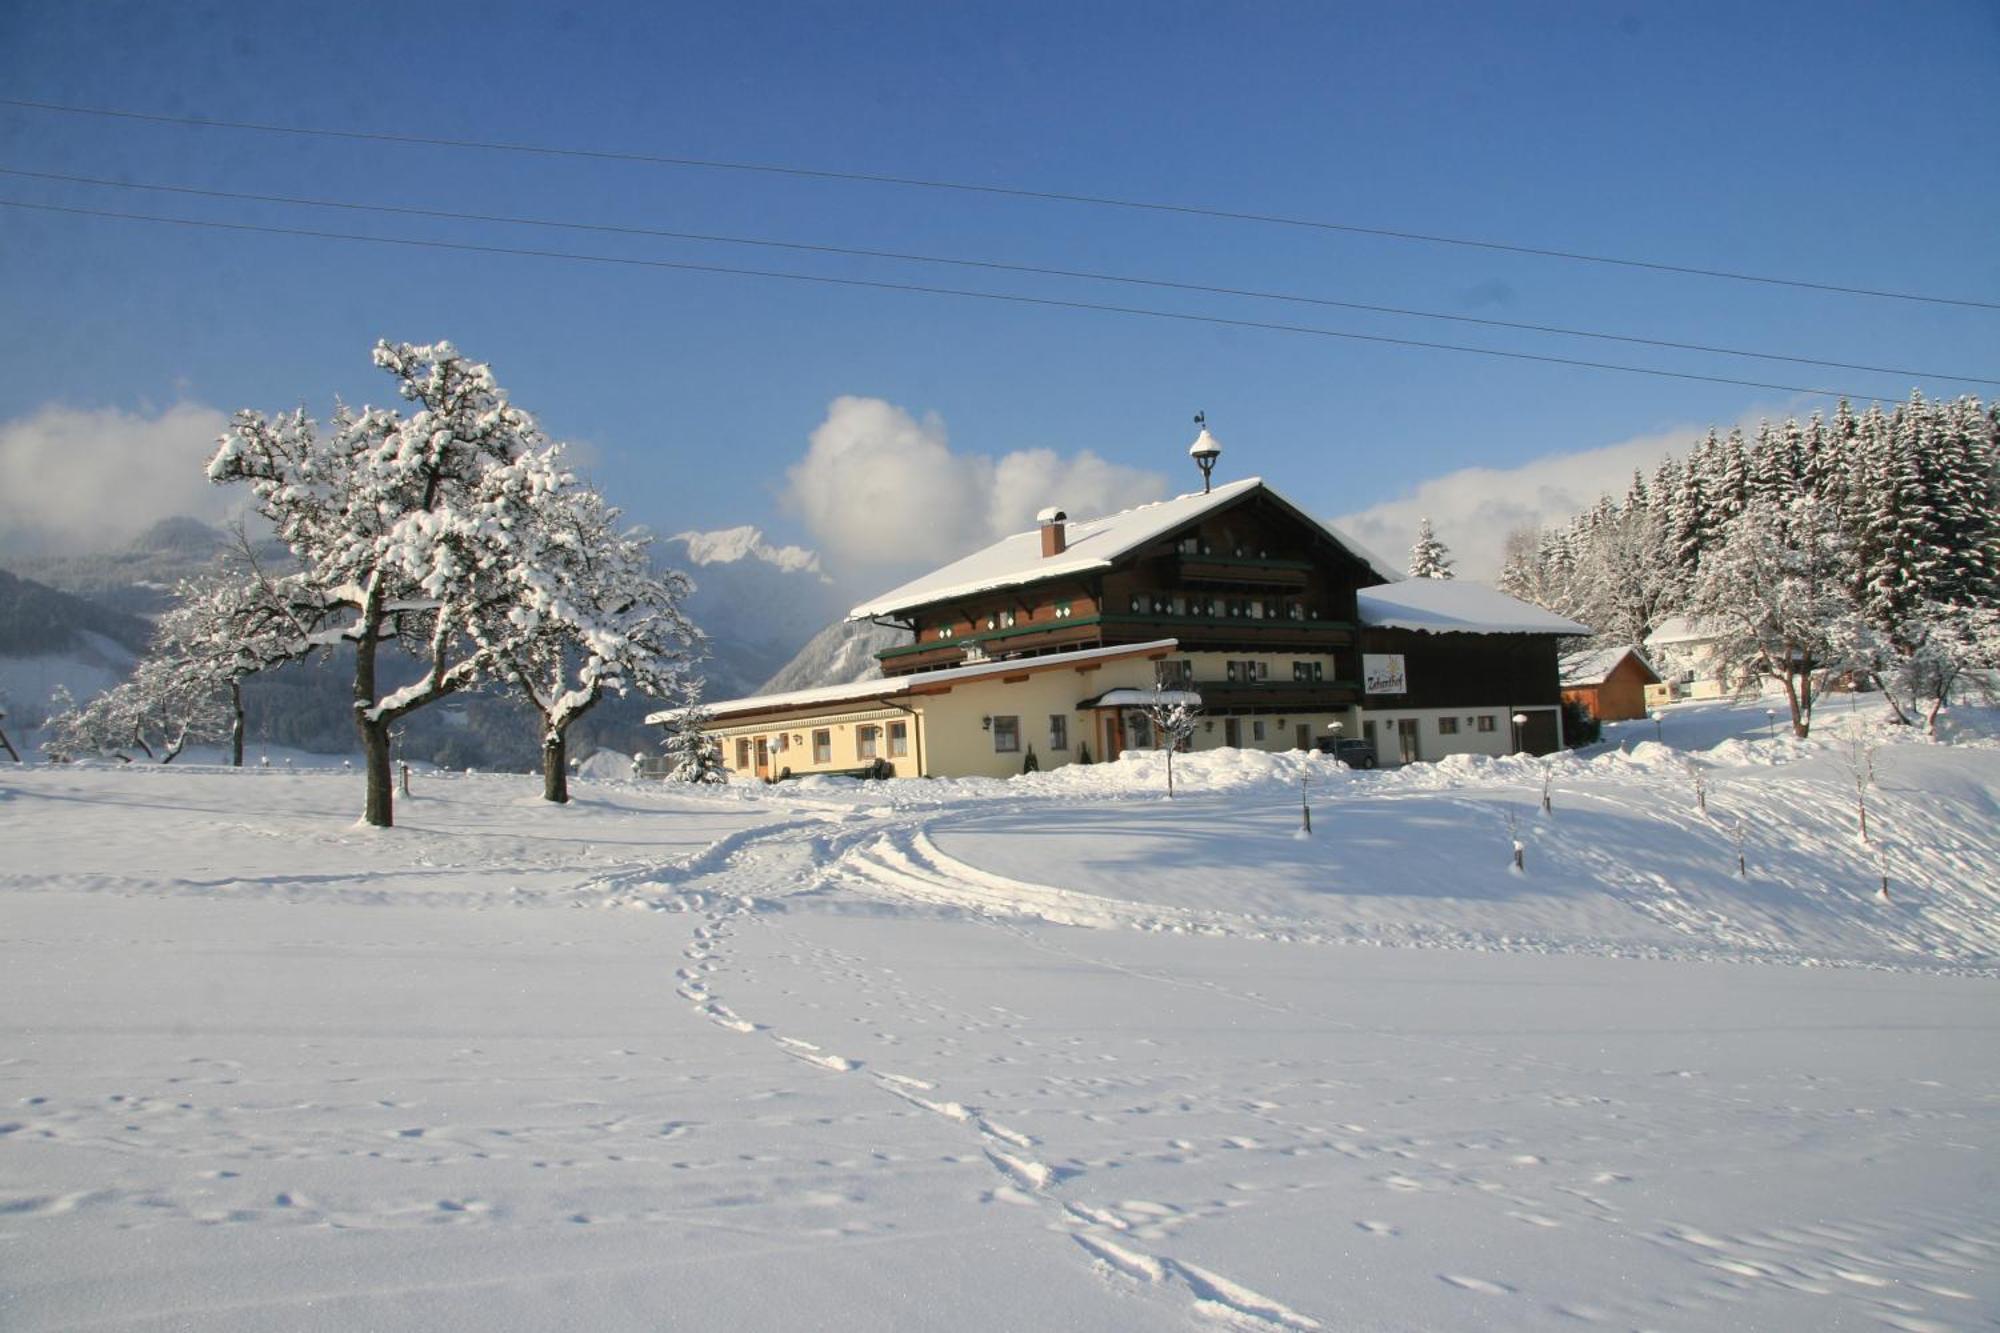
column 1382, row 673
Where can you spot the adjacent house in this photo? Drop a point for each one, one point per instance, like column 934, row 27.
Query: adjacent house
column 1054, row 639
column 1610, row 684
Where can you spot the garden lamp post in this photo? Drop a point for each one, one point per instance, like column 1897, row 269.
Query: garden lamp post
column 1519, row 720
column 1659, row 731
column 1771, row 724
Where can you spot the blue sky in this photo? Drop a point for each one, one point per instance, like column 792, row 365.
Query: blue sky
column 1851, row 143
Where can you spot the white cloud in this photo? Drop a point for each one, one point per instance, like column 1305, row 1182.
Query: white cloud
column 1473, row 509
column 88, row 479
column 878, row 486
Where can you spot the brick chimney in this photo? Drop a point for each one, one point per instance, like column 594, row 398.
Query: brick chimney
column 1055, row 534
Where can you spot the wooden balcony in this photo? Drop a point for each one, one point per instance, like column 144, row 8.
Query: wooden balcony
column 1220, row 633
column 1277, row 696
column 1241, row 571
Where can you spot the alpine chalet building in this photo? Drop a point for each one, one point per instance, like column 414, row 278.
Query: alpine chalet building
column 1052, row 641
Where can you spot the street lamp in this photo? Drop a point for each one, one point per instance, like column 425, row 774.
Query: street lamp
column 1771, row 724
column 1659, row 732
column 1519, row 720
column 1205, row 450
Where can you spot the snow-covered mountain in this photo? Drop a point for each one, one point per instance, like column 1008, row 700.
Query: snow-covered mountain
column 49, row 637
column 842, row 652
column 758, row 602
column 140, row 577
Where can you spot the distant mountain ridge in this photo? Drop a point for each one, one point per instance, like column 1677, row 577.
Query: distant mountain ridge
column 759, row 603
column 840, row 654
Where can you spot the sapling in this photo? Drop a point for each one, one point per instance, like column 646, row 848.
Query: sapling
column 1736, row 835
column 1861, row 764
column 1548, row 779
column 1514, row 836
column 1700, row 786
column 1305, row 810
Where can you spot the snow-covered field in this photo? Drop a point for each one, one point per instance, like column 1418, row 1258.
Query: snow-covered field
column 1050, row 1053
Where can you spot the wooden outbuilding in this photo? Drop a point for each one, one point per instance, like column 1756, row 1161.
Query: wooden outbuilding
column 1609, row 684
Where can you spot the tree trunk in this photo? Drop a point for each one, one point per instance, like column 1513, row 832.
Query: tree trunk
column 555, row 767
column 8, row 746
column 236, row 721
column 381, row 809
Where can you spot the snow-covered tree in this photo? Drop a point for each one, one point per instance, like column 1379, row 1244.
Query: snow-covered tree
column 586, row 615
column 1172, row 715
column 692, row 754
column 157, row 712
column 1941, row 651
column 411, row 528
column 233, row 621
column 1779, row 594
column 1429, row 558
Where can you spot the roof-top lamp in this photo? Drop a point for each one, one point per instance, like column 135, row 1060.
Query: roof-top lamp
column 1204, row 451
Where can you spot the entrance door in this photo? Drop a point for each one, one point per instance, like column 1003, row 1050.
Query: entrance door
column 1406, row 739
column 1114, row 736
column 1302, row 736
column 763, row 757
column 1538, row 733
column 1232, row 732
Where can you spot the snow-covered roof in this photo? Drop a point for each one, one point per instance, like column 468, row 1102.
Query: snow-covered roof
column 1681, row 629
column 889, row 687
column 1091, row 544
column 1594, row 667
column 1456, row 606
column 1141, row 698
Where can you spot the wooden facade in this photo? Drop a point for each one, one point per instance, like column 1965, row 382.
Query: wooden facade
column 1253, row 576
column 1620, row 695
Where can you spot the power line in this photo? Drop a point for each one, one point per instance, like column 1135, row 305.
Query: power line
column 877, row 285
column 992, row 265
column 1006, row 191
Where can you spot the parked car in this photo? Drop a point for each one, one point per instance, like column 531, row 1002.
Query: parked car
column 1352, row 751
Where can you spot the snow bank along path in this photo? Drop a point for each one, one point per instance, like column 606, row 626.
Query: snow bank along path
column 846, row 1057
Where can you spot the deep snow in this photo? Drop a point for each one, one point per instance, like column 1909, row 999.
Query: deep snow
column 1048, row 1053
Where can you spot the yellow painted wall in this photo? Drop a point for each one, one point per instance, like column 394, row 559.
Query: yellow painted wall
column 798, row 752
column 958, row 744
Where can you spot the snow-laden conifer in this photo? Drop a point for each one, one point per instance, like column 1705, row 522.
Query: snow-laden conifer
column 692, row 754
column 1429, row 558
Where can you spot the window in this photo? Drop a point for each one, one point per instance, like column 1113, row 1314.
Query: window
column 1174, row 675
column 1307, row 670
column 1006, row 620
column 1063, row 611
column 992, row 622
column 1486, row 722
column 822, row 747
column 1257, row 729
column 1135, row 601
column 1295, row 612
column 1188, row 545
column 864, row 741
column 1006, row 734
column 1058, row 731
column 1248, row 672
column 743, row 752
column 1142, row 732
column 1447, row 726
column 899, row 739
column 946, row 631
